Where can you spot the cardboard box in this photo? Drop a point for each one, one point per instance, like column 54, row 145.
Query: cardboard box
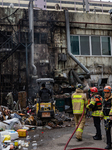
column 22, row 132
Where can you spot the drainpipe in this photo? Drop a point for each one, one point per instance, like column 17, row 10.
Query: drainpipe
column 31, row 27
column 76, row 77
column 68, row 44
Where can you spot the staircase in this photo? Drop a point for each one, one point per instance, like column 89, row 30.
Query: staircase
column 11, row 45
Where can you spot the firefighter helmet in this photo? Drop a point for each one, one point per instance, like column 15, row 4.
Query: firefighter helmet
column 79, row 86
column 94, row 90
column 107, row 89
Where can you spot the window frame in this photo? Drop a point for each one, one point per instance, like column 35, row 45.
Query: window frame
column 110, row 45
column 90, row 45
column 100, row 45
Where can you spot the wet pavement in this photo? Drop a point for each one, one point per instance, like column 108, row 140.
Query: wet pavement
column 55, row 139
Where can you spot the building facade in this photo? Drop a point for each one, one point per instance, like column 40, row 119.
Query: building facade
column 54, row 5
column 90, row 41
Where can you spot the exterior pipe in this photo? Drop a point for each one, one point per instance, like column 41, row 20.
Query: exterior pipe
column 95, row 23
column 68, row 44
column 31, row 26
column 76, row 77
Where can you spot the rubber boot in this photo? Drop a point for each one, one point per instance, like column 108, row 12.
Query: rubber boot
column 97, row 138
column 78, row 139
column 108, row 146
column 94, row 136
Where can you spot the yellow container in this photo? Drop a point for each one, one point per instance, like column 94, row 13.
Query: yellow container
column 16, row 143
column 22, row 132
column 6, row 138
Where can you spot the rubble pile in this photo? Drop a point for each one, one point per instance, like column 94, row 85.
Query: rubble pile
column 60, row 96
column 15, row 124
column 60, row 120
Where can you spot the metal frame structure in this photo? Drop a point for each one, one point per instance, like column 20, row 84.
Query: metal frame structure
column 13, row 44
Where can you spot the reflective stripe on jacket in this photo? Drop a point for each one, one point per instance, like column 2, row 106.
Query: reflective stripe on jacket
column 95, row 105
column 78, row 101
column 79, row 129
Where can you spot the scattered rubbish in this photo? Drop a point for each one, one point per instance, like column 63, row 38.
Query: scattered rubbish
column 17, row 116
column 25, row 127
column 6, row 138
column 40, row 127
column 3, row 126
column 36, row 137
column 13, row 134
column 0, row 142
column 16, row 143
column 34, row 145
column 16, row 125
column 22, row 132
column 48, row 127
column 28, row 138
column 13, row 124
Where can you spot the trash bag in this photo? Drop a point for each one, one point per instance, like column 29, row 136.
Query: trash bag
column 13, row 124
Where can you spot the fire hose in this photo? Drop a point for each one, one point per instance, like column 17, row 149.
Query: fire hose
column 74, row 133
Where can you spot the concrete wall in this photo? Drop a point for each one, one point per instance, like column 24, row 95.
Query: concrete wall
column 100, row 66
column 53, row 23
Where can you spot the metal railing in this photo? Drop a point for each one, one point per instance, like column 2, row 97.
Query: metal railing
column 13, row 43
column 72, row 5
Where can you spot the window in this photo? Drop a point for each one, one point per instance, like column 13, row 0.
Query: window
column 43, row 38
column 95, row 43
column 90, row 45
column 84, row 43
column 75, row 45
column 106, row 50
column 36, row 38
column 40, row 38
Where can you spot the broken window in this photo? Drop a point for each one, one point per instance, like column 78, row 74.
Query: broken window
column 106, row 49
column 95, row 44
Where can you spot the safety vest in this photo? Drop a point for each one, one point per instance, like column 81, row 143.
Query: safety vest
column 78, row 104
column 98, row 104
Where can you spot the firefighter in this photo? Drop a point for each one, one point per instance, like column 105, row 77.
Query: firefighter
column 106, row 114
column 45, row 93
column 96, row 106
column 78, row 101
